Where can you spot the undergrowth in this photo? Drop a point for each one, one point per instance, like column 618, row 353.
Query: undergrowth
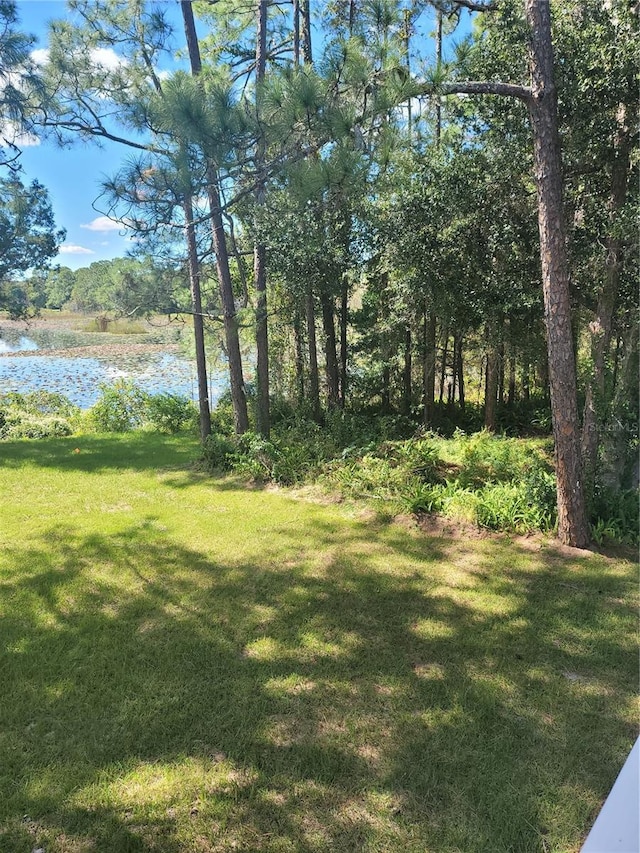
column 495, row 482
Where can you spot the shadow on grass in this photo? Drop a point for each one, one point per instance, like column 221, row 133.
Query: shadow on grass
column 160, row 700
column 137, row 451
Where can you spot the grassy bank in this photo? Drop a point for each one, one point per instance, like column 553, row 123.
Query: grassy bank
column 191, row 665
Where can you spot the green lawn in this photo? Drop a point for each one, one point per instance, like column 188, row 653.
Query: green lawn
column 189, row 665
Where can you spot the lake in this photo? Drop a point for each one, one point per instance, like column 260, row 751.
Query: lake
column 54, row 358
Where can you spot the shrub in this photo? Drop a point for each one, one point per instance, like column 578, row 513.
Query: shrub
column 170, row 413
column 614, row 516
column 217, row 452
column 121, row 407
column 28, row 426
column 38, row 414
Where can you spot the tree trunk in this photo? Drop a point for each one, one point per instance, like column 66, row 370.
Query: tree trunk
column 260, row 251
column 305, row 15
column 406, row 372
column 299, row 355
column 491, row 384
column 443, row 369
column 501, row 372
column 602, row 325
column 296, row 33
column 232, row 340
column 331, row 359
column 198, row 320
column 618, row 453
column 460, row 373
column 573, row 528
column 511, row 392
column 429, row 368
column 344, row 319
column 314, row 377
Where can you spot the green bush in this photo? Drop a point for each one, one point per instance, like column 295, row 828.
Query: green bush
column 38, row 414
column 29, row 426
column 614, row 516
column 121, row 407
column 487, row 458
column 217, row 452
column 170, row 413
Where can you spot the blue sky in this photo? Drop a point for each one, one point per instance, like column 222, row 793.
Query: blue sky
column 73, row 175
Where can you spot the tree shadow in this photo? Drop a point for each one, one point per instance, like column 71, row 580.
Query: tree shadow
column 95, row 453
column 163, row 699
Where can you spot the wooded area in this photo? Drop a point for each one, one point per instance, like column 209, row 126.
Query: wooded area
column 365, row 202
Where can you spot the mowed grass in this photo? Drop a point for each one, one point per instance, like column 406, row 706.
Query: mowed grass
column 190, row 665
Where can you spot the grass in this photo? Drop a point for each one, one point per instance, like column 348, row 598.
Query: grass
column 190, row 665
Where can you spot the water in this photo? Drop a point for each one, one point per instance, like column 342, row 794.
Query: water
column 79, row 378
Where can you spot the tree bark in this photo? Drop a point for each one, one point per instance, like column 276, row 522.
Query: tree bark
column 232, row 340
column 429, row 368
column 299, row 355
column 443, row 367
column 260, row 250
column 460, row 373
column 198, row 321
column 314, row 377
column 491, row 384
column 407, row 371
column 573, row 528
column 331, row 359
column 344, row 318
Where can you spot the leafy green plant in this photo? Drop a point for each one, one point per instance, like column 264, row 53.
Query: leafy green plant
column 38, row 414
column 170, row 412
column 614, row 516
column 217, row 452
column 122, row 407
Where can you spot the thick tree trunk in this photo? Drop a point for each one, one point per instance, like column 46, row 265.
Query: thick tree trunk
column 429, row 368
column 331, row 359
column 198, row 320
column 573, row 528
column 232, row 340
column 602, row 325
column 314, row 376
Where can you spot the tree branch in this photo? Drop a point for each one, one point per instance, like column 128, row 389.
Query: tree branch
column 474, row 6
column 508, row 90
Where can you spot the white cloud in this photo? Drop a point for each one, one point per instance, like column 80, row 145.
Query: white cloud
column 40, row 56
column 12, row 135
column 104, row 58
column 71, row 249
column 102, row 224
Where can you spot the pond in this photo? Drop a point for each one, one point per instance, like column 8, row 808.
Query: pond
column 76, row 363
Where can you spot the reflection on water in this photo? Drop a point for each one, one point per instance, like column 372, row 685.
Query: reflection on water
column 23, row 344
column 79, row 378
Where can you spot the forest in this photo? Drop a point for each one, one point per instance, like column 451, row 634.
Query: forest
column 435, row 232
